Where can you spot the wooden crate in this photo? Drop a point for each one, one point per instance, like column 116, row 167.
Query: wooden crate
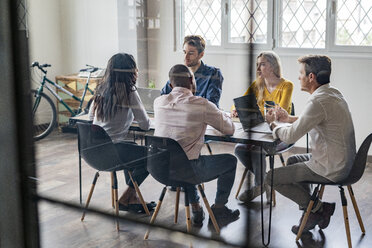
column 75, row 85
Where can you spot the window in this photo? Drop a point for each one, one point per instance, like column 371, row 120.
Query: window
column 303, row 23
column 354, row 23
column 321, row 24
column 225, row 22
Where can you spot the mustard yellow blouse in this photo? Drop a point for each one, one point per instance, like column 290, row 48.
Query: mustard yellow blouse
column 282, row 95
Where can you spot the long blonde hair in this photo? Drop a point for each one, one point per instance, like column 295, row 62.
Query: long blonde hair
column 275, row 63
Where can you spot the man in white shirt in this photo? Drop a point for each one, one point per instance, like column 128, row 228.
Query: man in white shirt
column 184, row 117
column 328, row 121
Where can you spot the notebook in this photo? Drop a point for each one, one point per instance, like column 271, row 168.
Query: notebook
column 148, row 96
column 250, row 115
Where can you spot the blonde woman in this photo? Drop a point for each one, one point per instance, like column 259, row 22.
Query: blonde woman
column 268, row 86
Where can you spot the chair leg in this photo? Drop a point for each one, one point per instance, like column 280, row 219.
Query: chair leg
column 209, row 149
column 274, row 198
column 281, row 159
column 210, row 212
column 356, row 209
column 90, row 194
column 112, row 191
column 241, row 182
column 177, row 205
column 308, row 210
column 321, row 191
column 187, row 210
column 346, row 218
column 139, row 194
column 153, row 217
column 116, row 200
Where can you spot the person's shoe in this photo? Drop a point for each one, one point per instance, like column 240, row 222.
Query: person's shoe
column 248, row 195
column 312, row 221
column 137, row 208
column 197, row 217
column 224, row 215
column 327, row 212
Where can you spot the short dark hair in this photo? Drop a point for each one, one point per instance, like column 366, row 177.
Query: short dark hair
column 196, row 41
column 179, row 76
column 320, row 65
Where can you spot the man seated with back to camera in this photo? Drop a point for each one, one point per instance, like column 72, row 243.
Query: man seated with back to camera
column 328, row 121
column 184, row 117
column 208, row 78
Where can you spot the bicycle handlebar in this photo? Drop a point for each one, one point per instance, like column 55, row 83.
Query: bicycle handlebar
column 40, row 66
column 36, row 64
column 90, row 69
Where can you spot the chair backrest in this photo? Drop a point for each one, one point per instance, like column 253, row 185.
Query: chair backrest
column 359, row 162
column 172, row 167
column 96, row 147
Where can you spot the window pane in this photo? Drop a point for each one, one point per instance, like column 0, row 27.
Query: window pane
column 248, row 21
column 303, row 24
column 203, row 17
column 354, row 23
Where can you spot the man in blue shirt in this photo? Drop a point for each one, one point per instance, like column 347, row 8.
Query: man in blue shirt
column 208, row 78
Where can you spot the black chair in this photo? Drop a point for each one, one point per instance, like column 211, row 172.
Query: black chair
column 353, row 177
column 279, row 152
column 98, row 151
column 168, row 164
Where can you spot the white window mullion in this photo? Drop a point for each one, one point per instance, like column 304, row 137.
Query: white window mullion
column 331, row 25
column 271, row 21
column 225, row 16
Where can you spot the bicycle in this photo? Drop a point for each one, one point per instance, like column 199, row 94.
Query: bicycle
column 44, row 114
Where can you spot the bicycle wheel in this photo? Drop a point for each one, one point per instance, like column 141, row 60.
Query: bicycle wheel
column 43, row 115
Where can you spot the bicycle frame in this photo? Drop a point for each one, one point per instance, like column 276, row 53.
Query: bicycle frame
column 81, row 100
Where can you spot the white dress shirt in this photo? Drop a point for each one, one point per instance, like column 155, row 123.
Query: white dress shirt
column 328, row 120
column 117, row 128
column 184, row 117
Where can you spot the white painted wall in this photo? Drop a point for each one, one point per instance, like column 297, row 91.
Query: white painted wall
column 45, row 35
column 71, row 33
column 72, row 41
column 90, row 32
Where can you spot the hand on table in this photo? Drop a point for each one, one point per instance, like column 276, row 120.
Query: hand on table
column 282, row 115
column 234, row 113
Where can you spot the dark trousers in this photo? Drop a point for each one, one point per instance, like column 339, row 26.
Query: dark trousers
column 210, row 167
column 129, row 151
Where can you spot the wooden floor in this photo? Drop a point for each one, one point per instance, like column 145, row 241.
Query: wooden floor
column 57, row 173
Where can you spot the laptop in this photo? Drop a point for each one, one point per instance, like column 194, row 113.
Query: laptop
column 148, row 96
column 250, row 115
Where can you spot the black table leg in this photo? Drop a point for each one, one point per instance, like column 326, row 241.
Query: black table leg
column 80, row 189
column 271, row 158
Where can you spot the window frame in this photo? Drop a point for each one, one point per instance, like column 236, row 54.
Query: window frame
column 273, row 28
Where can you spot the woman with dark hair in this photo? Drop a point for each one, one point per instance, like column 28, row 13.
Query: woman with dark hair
column 115, row 104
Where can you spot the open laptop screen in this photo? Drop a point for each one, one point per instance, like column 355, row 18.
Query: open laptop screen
column 148, row 96
column 248, row 111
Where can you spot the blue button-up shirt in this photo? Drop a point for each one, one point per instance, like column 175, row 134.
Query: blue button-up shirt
column 208, row 83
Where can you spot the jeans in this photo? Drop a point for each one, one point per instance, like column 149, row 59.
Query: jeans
column 129, row 151
column 250, row 156
column 290, row 180
column 210, row 167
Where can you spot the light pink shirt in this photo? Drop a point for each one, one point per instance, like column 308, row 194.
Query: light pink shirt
column 184, row 117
